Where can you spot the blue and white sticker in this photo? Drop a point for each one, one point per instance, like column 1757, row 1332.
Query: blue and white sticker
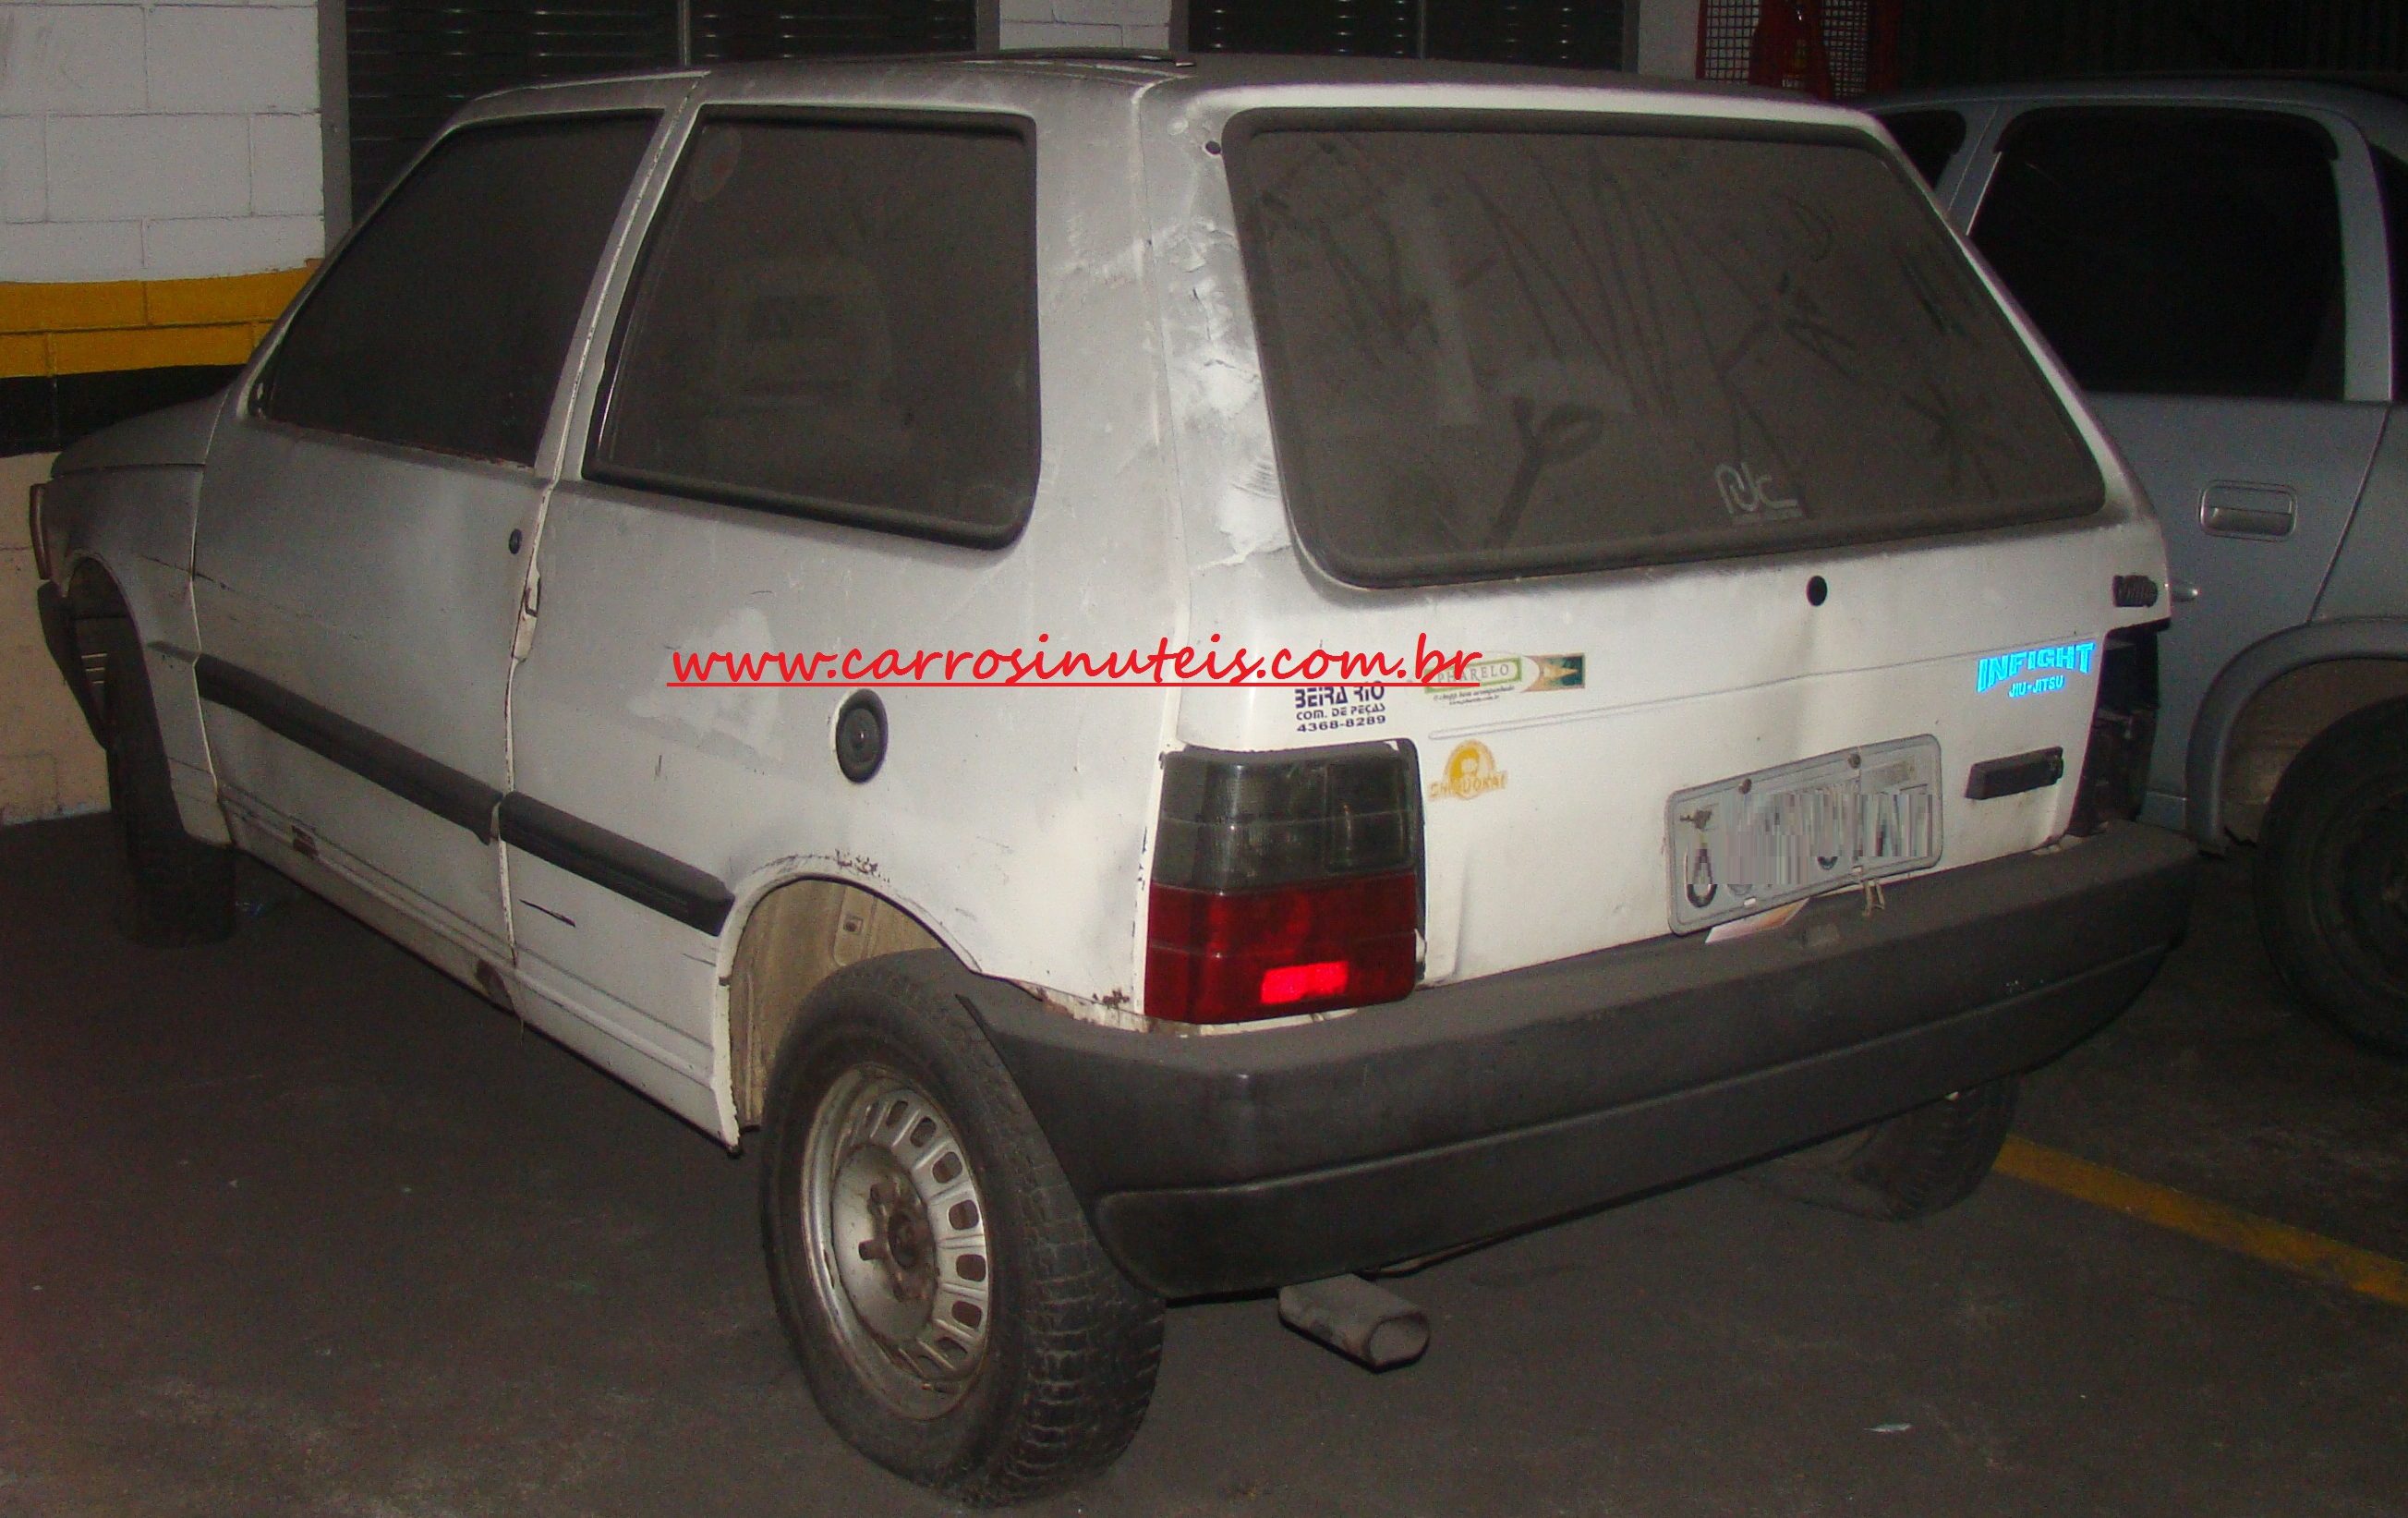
column 2034, row 671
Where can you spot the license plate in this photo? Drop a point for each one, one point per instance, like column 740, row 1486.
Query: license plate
column 1753, row 842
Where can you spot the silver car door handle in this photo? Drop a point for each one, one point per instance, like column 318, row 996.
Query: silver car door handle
column 2230, row 510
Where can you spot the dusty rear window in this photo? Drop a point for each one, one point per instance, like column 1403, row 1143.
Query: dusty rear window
column 1497, row 350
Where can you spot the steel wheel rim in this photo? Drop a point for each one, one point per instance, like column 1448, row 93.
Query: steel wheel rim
column 894, row 1231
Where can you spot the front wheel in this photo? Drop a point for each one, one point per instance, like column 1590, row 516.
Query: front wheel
column 179, row 889
column 2331, row 877
column 955, row 1316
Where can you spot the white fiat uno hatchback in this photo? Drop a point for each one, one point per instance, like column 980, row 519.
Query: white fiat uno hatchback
column 1786, row 582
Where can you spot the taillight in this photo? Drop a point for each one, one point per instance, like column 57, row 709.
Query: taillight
column 2123, row 729
column 1285, row 883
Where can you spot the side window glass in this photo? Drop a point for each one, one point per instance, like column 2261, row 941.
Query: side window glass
column 1929, row 139
column 2175, row 252
column 2393, row 174
column 445, row 322
column 839, row 319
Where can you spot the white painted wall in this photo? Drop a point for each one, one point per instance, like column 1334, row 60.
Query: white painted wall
column 1085, row 24
column 1666, row 36
column 158, row 140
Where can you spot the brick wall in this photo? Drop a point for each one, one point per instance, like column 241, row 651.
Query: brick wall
column 160, row 187
column 163, row 139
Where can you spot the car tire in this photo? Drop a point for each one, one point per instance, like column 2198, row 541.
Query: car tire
column 181, row 891
column 874, row 1257
column 1909, row 1166
column 2331, row 876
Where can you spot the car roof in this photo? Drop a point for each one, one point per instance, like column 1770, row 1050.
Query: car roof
column 1142, row 72
column 2377, row 102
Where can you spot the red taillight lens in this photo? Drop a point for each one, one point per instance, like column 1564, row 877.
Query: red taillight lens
column 1285, row 883
column 1216, row 957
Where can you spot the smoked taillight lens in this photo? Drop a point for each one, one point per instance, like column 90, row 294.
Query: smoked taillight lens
column 1285, row 883
column 2123, row 729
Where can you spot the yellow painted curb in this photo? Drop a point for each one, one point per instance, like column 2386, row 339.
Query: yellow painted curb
column 24, row 352
column 102, row 326
column 239, row 297
column 70, row 308
column 2277, row 1244
column 147, row 347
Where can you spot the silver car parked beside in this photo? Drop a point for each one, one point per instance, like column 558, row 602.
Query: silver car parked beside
column 2223, row 265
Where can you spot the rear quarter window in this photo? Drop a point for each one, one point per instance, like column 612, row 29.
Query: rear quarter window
column 1496, row 347
column 837, row 317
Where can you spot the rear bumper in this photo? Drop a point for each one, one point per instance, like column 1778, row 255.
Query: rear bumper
column 1249, row 1160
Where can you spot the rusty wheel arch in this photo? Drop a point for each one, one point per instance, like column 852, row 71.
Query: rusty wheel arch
column 798, row 933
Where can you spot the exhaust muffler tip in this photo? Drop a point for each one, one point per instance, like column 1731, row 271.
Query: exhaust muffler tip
column 1369, row 1324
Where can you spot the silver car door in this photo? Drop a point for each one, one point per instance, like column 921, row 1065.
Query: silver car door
column 368, row 510
column 2212, row 276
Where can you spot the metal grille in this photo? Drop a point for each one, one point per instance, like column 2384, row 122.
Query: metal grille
column 412, row 63
column 1574, row 33
column 731, row 31
column 1726, row 29
column 1977, row 41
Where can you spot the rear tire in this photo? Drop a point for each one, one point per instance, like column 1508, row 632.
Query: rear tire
column 1909, row 1166
column 2331, row 876
column 181, row 891
column 990, row 1350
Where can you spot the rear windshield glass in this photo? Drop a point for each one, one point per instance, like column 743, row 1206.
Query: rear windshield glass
column 1493, row 352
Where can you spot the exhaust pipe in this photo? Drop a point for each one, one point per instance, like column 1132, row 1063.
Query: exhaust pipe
column 1369, row 1324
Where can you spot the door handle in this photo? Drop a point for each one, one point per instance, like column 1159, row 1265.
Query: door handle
column 2230, row 510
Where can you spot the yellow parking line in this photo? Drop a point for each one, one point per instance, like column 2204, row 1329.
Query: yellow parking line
column 2277, row 1244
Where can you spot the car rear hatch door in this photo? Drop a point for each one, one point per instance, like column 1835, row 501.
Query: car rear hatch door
column 1777, row 540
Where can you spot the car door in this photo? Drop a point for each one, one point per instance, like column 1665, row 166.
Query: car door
column 367, row 505
column 2212, row 277
column 818, row 429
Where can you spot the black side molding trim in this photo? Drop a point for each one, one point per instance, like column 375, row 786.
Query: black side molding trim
column 644, row 876
column 455, row 797
column 2014, row 775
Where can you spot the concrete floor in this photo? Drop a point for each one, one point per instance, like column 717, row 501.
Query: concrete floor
column 294, row 1225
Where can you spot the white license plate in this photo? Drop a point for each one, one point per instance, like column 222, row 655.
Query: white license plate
column 1751, row 843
